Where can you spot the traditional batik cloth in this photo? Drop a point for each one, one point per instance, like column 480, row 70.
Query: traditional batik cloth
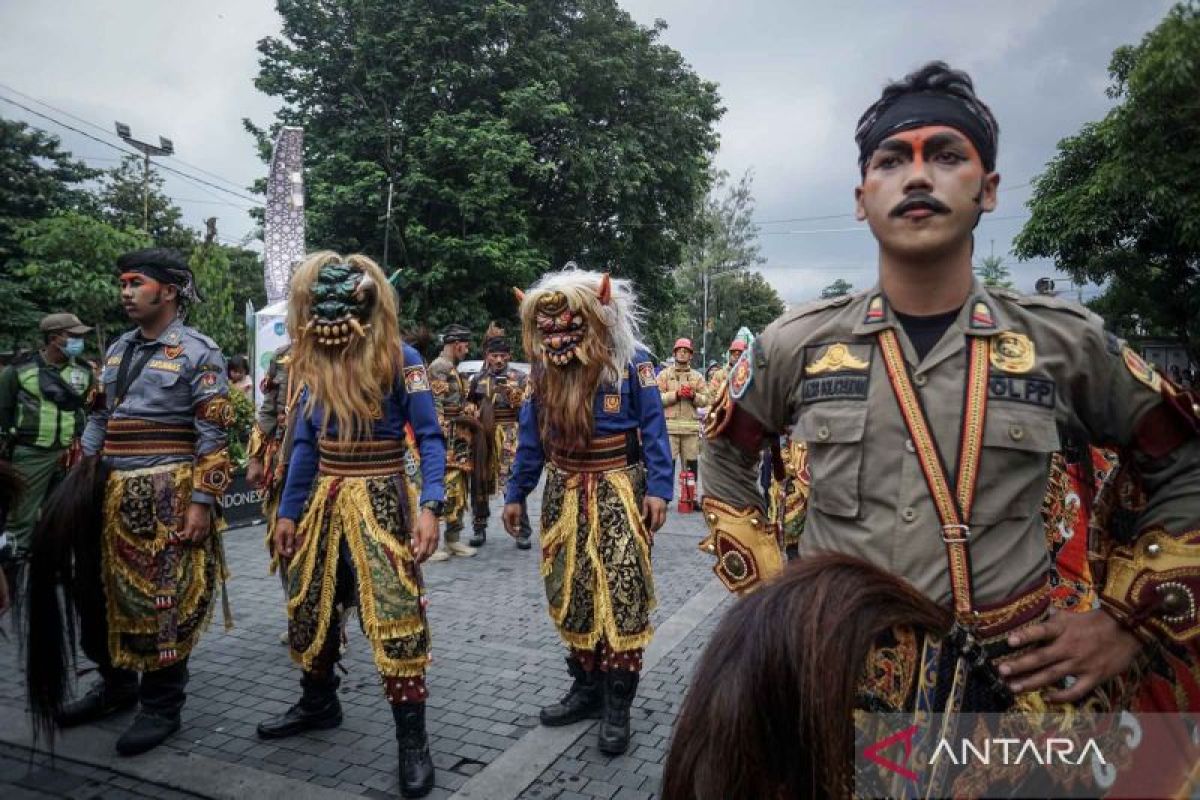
column 159, row 589
column 595, row 547
column 368, row 518
column 789, row 497
column 596, row 557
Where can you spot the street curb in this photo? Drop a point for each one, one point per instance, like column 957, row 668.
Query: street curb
column 192, row 774
column 520, row 765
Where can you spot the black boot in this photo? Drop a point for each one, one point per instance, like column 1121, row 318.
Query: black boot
column 480, row 537
column 416, row 766
column 162, row 696
column 318, row 709
column 620, row 685
column 792, row 551
column 116, row 691
column 526, row 531
column 582, row 702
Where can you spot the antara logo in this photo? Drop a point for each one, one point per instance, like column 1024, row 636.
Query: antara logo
column 873, row 752
column 1014, row 751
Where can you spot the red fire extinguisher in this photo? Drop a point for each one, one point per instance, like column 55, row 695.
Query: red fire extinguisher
column 687, row 491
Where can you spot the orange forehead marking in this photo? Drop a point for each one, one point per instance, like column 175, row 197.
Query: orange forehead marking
column 917, row 137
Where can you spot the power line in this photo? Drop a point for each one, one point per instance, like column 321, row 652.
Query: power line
column 107, row 132
column 161, row 166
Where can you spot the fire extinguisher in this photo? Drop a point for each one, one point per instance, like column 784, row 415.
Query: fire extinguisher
column 687, row 491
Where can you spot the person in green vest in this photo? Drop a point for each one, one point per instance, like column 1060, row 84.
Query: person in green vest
column 43, row 399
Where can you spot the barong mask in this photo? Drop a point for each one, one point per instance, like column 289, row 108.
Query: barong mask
column 580, row 329
column 342, row 300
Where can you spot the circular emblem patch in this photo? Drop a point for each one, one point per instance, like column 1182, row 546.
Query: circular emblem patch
column 734, row 564
column 1012, row 352
column 743, row 374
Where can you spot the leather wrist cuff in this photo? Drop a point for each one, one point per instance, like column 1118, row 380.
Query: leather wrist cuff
column 1152, row 585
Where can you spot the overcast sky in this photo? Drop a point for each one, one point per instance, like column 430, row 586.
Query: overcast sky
column 794, row 76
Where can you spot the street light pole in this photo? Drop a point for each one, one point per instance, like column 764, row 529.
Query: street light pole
column 164, row 148
column 704, row 325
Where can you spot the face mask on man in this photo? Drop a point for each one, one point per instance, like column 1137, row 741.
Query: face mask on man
column 73, row 347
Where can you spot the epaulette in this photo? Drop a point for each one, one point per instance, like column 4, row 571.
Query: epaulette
column 1043, row 301
column 204, row 339
column 810, row 308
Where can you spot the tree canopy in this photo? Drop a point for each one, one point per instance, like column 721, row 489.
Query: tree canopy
column 515, row 136
column 1119, row 203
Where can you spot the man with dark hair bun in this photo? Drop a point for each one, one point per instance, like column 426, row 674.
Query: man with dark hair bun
column 931, row 404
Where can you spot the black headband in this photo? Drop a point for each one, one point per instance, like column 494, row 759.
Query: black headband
column 497, row 345
column 172, row 276
column 919, row 109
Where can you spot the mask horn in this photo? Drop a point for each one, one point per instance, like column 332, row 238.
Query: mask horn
column 520, row 295
column 604, row 292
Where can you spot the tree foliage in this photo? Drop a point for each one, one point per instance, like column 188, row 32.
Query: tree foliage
column 516, row 135
column 993, row 272
column 1119, row 204
column 123, row 205
column 838, row 288
column 724, row 245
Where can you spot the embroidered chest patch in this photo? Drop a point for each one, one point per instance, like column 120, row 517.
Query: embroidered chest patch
column 1012, row 352
column 167, row 366
column 1028, row 389
column 741, row 377
column 612, row 403
column 840, row 357
column 416, row 379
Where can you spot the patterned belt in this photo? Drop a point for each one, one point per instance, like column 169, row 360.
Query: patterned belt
column 603, row 454
column 143, row 437
column 505, row 414
column 361, row 459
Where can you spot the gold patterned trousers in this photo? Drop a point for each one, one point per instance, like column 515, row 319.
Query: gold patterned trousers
column 596, row 558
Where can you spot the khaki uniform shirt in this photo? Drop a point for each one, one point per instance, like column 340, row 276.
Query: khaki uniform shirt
column 681, row 412
column 818, row 374
column 450, row 399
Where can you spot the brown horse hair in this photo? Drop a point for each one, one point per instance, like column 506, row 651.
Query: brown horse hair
column 770, row 710
column 65, row 561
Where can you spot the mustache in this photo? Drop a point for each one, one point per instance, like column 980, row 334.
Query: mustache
column 919, row 200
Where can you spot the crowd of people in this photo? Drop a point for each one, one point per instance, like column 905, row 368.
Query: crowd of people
column 911, row 433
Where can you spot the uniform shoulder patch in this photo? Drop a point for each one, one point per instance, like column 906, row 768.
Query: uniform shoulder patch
column 741, row 377
column 1138, row 367
column 416, row 379
column 646, row 376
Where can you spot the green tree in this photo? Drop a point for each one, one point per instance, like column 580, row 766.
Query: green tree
column 218, row 316
column 838, row 288
column 1119, row 204
column 993, row 272
column 68, row 266
column 122, row 204
column 37, row 179
column 515, row 135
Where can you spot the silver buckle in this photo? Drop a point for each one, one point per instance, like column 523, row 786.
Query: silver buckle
column 963, row 534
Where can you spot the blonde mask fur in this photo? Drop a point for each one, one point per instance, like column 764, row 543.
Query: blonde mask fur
column 580, row 329
column 346, row 347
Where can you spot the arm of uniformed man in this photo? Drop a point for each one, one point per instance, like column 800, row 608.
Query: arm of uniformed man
column 1151, row 584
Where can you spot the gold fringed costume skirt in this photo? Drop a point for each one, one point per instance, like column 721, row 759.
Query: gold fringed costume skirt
column 368, row 519
column 596, row 557
column 158, row 589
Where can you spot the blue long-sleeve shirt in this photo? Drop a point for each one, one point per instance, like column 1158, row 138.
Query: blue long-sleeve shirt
column 640, row 408
column 409, row 402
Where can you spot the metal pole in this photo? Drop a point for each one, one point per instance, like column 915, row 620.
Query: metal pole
column 704, row 326
column 146, row 191
column 387, row 227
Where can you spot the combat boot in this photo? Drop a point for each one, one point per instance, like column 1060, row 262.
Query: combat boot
column 318, row 709
column 162, row 697
column 583, row 701
column 416, row 765
column 116, row 691
column 526, row 531
column 620, row 685
column 480, row 537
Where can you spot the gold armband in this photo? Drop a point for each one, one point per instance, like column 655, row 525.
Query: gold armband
column 212, row 473
column 1152, row 585
column 745, row 543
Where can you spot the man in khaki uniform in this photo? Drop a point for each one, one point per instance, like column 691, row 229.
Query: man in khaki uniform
column 683, row 392
column 980, row 370
column 458, row 426
column 717, row 380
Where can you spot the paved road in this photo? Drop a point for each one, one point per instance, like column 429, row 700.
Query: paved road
column 497, row 660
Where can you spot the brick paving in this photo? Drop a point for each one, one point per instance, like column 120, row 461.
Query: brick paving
column 496, row 661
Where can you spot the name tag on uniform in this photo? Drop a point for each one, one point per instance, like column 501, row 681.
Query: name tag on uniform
column 113, row 361
column 837, row 371
column 835, row 387
column 1022, row 389
column 169, row 366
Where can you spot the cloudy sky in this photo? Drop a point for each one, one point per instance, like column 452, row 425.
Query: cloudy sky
column 794, row 76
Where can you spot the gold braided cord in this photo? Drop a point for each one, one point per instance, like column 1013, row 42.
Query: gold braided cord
column 975, row 415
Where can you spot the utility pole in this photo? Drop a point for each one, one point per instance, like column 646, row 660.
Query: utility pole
column 164, row 148
column 387, row 226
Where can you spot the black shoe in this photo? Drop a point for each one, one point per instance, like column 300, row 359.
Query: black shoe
column 318, row 709
column 792, row 551
column 107, row 696
column 147, row 732
column 479, row 539
column 523, row 543
column 582, row 702
column 416, row 766
column 620, row 685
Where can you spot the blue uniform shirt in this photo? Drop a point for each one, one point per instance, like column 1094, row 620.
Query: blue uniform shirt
column 409, row 402
column 640, row 409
